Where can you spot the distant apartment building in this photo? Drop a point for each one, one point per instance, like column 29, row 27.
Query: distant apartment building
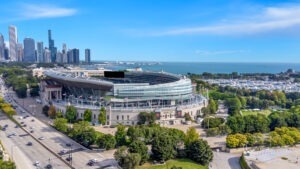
column 6, row 53
column 13, row 40
column 20, row 52
column 70, row 56
column 40, row 52
column 29, row 50
column 75, row 56
column 59, row 57
column 64, row 54
column 87, row 56
column 2, row 48
column 47, row 55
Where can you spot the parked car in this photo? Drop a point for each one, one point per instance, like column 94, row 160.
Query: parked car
column 69, row 158
column 29, row 143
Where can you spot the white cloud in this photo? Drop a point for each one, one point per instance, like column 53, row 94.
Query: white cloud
column 32, row 11
column 268, row 19
column 218, row 52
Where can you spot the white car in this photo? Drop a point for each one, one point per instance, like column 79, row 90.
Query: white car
column 42, row 138
column 37, row 163
column 64, row 151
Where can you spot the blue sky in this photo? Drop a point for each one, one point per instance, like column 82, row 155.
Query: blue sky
column 163, row 30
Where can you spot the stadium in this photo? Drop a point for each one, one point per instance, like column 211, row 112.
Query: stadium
column 123, row 94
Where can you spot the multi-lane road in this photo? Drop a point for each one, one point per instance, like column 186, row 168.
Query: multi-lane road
column 26, row 156
column 49, row 147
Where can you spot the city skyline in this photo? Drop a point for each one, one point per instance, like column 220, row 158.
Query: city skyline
column 195, row 31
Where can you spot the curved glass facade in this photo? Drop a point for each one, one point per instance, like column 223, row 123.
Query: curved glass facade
column 181, row 89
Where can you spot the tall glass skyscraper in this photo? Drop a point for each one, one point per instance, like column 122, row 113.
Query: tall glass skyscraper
column 87, row 56
column 75, row 54
column 13, row 40
column 20, row 52
column 52, row 48
column 29, row 50
column 40, row 52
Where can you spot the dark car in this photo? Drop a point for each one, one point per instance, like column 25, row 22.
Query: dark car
column 68, row 144
column 90, row 163
column 29, row 143
column 32, row 120
column 49, row 166
column 69, row 158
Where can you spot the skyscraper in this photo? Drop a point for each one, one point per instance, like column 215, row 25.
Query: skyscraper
column 75, row 53
column 6, row 53
column 20, row 52
column 29, row 50
column 13, row 40
column 47, row 55
column 87, row 56
column 2, row 48
column 59, row 58
column 70, row 56
column 40, row 52
column 64, row 53
column 52, row 48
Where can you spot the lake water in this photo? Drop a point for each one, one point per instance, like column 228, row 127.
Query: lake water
column 183, row 68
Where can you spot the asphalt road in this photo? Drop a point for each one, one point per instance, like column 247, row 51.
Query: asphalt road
column 25, row 156
column 56, row 141
column 224, row 160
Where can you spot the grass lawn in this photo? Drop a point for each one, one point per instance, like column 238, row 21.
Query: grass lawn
column 253, row 112
column 184, row 163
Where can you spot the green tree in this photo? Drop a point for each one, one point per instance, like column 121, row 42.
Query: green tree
column 21, row 90
column 59, row 114
column 163, row 147
column 187, row 117
column 212, row 122
column 146, row 118
column 71, row 114
column 131, row 161
column 212, row 106
column 200, row 152
column 106, row 141
column 102, row 116
column 236, row 140
column 234, row 105
column 127, row 160
column 236, row 124
column 120, row 135
column 87, row 115
column 139, row 147
column 191, row 136
column 34, row 91
column 83, row 133
column 61, row 124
